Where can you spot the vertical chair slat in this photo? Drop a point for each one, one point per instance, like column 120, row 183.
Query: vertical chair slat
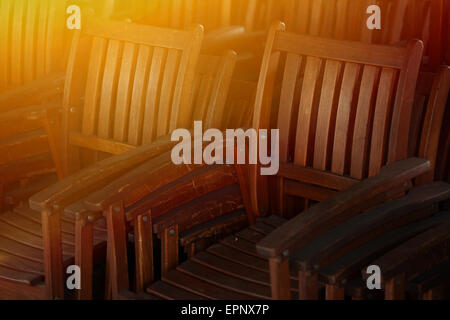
column 307, row 113
column 109, row 90
column 326, row 115
column 30, row 44
column 286, row 113
column 137, row 107
column 345, row 118
column 93, row 84
column 167, row 90
column 42, row 31
column 152, row 99
column 381, row 120
column 363, row 122
column 124, row 89
column 5, row 27
column 17, row 49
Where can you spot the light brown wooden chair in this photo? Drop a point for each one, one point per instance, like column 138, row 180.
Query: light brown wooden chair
column 125, row 85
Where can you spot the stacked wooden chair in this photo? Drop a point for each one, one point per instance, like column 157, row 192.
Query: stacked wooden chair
column 31, row 41
column 112, row 104
column 32, row 51
column 337, row 132
column 114, row 71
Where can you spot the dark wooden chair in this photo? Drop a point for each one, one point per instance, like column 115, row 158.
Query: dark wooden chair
column 137, row 192
column 113, row 76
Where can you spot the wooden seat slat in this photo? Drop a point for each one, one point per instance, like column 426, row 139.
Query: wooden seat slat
column 227, row 282
column 28, row 239
column 241, row 244
column 238, row 256
column 21, row 277
column 261, row 227
column 235, row 269
column 21, row 250
column 21, row 264
column 274, row 220
column 250, row 235
column 202, row 288
column 31, row 227
column 167, row 291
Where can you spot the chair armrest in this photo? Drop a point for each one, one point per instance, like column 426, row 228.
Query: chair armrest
column 416, row 255
column 142, row 181
column 417, row 205
column 36, row 112
column 138, row 183
column 339, row 207
column 95, row 177
column 34, row 92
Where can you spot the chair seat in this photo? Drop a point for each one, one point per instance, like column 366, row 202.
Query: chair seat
column 231, row 269
column 21, row 248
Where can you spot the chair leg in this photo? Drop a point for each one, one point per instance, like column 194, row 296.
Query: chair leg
column 51, row 236
column 117, row 249
column 334, row 293
column 84, row 250
column 143, row 242
column 2, row 190
column 308, row 286
column 433, row 294
column 395, row 288
column 108, row 292
column 169, row 249
column 279, row 279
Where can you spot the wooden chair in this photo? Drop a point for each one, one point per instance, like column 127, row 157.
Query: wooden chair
column 111, row 66
column 32, row 50
column 138, row 192
column 332, row 256
column 31, row 40
column 210, row 85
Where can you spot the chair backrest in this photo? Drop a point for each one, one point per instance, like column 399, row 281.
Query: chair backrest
column 178, row 14
column 447, row 31
column 401, row 20
column 429, row 124
column 31, row 39
column 343, row 108
column 211, row 86
column 240, row 102
column 126, row 85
